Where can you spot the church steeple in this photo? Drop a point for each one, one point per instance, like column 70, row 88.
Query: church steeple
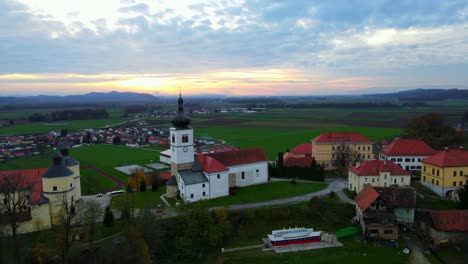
column 181, row 120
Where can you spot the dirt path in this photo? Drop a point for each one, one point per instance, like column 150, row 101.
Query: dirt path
column 119, row 182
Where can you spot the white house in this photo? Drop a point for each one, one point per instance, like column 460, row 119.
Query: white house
column 407, row 153
column 378, row 173
column 208, row 176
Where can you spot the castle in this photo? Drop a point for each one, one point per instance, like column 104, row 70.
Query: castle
column 49, row 189
column 197, row 176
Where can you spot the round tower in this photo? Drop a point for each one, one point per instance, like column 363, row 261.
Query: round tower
column 74, row 166
column 58, row 186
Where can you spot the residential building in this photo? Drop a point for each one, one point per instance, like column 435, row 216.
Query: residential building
column 380, row 210
column 407, row 153
column 378, row 173
column 299, row 156
column 326, row 145
column 445, row 227
column 210, row 175
column 444, row 171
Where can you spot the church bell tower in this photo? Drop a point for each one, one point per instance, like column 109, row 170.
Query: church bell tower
column 181, row 138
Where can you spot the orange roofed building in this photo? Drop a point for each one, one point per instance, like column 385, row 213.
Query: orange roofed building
column 326, row 145
column 407, row 153
column 445, row 171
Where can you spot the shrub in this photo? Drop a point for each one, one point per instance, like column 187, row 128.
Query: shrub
column 233, row 190
column 332, row 195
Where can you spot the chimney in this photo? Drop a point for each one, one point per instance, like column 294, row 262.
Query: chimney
column 461, row 147
column 445, row 148
column 358, row 164
column 384, row 162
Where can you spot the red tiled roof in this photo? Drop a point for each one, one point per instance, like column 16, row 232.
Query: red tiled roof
column 222, row 148
column 302, row 149
column 450, row 220
column 449, row 158
column 165, row 175
column 30, row 177
column 210, row 164
column 374, row 167
column 346, row 137
column 408, row 147
column 366, row 197
column 398, row 197
column 290, row 160
column 219, row 161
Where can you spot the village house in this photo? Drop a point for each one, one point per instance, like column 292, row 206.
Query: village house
column 445, row 171
column 299, row 156
column 445, row 227
column 49, row 187
column 326, row 145
column 378, row 173
column 380, row 210
column 207, row 176
column 407, row 153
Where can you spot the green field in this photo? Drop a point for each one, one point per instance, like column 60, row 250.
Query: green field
column 103, row 156
column 45, row 127
column 266, row 192
column 141, row 200
column 92, row 182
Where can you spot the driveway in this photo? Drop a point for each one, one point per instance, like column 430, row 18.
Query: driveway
column 334, row 185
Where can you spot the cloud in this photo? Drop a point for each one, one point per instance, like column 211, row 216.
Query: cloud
column 357, row 42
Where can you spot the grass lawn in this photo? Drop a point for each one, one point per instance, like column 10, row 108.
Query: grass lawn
column 93, row 182
column 452, row 255
column 432, row 200
column 45, row 127
column 141, row 200
column 353, row 251
column 267, row 191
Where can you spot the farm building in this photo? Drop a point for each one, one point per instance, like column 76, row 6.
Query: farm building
column 445, row 228
column 381, row 209
column 208, row 176
column 407, row 153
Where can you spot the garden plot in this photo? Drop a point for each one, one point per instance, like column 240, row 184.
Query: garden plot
column 156, row 166
column 131, row 168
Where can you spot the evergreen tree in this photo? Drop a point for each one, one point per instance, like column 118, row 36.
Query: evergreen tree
column 108, row 217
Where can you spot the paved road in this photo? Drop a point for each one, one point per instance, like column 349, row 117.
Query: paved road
column 334, row 185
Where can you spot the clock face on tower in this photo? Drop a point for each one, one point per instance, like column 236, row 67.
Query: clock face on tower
column 185, row 149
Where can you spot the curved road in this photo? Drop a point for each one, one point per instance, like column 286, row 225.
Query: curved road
column 334, row 185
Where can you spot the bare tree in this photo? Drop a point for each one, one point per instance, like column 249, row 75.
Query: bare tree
column 15, row 193
column 70, row 218
column 343, row 157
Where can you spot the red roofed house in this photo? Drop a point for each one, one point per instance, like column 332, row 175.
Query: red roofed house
column 327, row 144
column 381, row 209
column 300, row 156
column 378, row 173
column 207, row 176
column 445, row 171
column 445, row 227
column 48, row 188
column 407, row 153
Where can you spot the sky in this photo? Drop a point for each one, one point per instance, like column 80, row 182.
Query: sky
column 231, row 47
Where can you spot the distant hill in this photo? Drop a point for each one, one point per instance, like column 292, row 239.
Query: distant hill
column 89, row 98
column 424, row 95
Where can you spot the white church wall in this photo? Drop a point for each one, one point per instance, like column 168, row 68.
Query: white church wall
column 196, row 192
column 250, row 174
column 219, row 184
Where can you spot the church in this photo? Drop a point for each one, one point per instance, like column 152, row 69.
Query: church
column 47, row 189
column 199, row 176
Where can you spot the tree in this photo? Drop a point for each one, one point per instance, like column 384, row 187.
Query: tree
column 70, row 218
column 116, row 140
column 155, row 180
column 91, row 215
column 343, row 157
column 12, row 122
column 108, row 217
column 432, row 129
column 465, row 116
column 137, row 179
column 142, row 186
column 15, row 191
column 63, row 132
column 463, row 195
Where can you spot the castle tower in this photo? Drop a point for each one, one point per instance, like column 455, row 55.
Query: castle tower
column 57, row 185
column 181, row 138
column 74, row 166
